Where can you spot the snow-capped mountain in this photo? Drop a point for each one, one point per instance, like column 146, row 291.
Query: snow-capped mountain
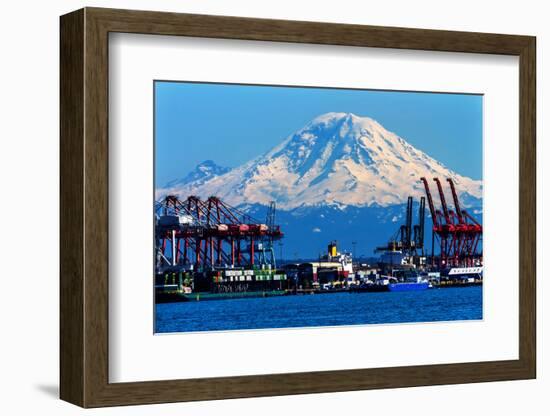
column 337, row 159
column 202, row 173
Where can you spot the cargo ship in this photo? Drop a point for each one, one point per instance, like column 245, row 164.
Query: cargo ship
column 219, row 284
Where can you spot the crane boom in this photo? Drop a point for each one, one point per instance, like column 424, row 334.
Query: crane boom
column 456, row 201
column 270, row 217
column 421, row 220
column 409, row 219
column 443, row 202
column 430, row 201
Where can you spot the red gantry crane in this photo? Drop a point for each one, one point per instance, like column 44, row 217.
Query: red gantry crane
column 458, row 232
column 205, row 234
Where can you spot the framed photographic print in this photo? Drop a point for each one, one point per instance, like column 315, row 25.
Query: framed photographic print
column 258, row 207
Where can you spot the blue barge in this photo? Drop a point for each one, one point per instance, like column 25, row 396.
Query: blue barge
column 399, row 281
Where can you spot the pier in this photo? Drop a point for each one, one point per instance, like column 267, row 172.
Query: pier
column 209, row 250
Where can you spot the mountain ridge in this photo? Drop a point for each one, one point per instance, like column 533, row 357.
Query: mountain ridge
column 205, row 170
column 336, row 159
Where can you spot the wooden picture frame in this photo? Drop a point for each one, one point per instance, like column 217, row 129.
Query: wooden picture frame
column 84, row 207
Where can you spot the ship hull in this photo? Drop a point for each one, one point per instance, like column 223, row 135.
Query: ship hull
column 407, row 287
column 393, row 287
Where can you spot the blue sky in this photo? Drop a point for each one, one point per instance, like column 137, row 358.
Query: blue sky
column 232, row 124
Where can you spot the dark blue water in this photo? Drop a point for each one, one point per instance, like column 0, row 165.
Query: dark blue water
column 450, row 304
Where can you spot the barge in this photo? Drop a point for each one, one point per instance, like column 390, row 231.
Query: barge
column 399, row 281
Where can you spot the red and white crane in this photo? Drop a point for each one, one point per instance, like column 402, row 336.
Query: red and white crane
column 208, row 234
column 459, row 233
